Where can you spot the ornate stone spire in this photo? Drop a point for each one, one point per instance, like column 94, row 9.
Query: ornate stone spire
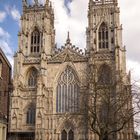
column 47, row 2
column 90, row 3
column 68, row 39
column 36, row 2
column 24, row 3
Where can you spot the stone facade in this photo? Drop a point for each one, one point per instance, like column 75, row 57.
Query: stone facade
column 42, row 71
column 5, row 84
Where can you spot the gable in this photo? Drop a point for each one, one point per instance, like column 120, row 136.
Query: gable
column 68, row 55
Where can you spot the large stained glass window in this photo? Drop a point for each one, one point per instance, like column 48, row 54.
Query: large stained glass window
column 67, row 96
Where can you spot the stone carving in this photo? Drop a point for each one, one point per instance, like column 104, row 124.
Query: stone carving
column 68, row 54
column 31, row 61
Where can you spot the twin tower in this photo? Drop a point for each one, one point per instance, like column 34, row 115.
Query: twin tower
column 50, row 82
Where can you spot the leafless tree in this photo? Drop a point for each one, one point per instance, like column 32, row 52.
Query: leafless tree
column 110, row 102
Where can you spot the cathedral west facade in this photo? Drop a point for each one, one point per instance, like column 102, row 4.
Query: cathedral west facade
column 49, row 81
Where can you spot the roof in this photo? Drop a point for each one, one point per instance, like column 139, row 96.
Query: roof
column 5, row 58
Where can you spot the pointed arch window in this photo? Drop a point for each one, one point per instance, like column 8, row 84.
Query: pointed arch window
column 32, row 77
column 30, row 120
column 67, row 96
column 103, row 36
column 64, row 135
column 36, row 42
column 71, row 135
column 104, row 74
column 67, row 135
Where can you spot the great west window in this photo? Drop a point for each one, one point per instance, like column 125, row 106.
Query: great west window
column 67, row 96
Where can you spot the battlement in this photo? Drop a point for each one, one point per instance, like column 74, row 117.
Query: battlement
column 36, row 5
column 101, row 2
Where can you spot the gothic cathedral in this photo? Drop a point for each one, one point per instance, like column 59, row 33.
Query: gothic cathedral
column 49, row 81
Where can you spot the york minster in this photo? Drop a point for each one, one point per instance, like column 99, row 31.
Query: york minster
column 50, row 83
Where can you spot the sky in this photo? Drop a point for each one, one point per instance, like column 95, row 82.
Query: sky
column 71, row 15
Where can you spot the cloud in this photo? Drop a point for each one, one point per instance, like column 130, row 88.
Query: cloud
column 42, row 1
column 2, row 16
column 130, row 14
column 3, row 34
column 134, row 67
column 75, row 22
column 67, row 5
column 6, row 48
column 5, row 44
column 13, row 12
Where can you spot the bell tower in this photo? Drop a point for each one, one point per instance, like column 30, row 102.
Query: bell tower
column 104, row 33
column 37, row 29
column 36, row 40
column 107, row 55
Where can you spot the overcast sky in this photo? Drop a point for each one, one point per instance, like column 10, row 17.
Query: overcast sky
column 71, row 15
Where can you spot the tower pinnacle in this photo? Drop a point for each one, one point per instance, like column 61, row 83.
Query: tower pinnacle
column 68, row 38
column 24, row 3
column 36, row 2
column 46, row 2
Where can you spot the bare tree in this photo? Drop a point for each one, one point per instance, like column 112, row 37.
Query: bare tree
column 110, row 102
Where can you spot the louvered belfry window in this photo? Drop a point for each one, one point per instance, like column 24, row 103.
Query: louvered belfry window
column 36, row 41
column 67, row 96
column 103, row 36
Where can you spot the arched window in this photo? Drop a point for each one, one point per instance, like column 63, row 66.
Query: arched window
column 36, row 41
column 31, row 115
column 32, row 77
column 103, row 36
column 71, row 135
column 64, row 135
column 67, row 136
column 67, row 96
column 104, row 75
